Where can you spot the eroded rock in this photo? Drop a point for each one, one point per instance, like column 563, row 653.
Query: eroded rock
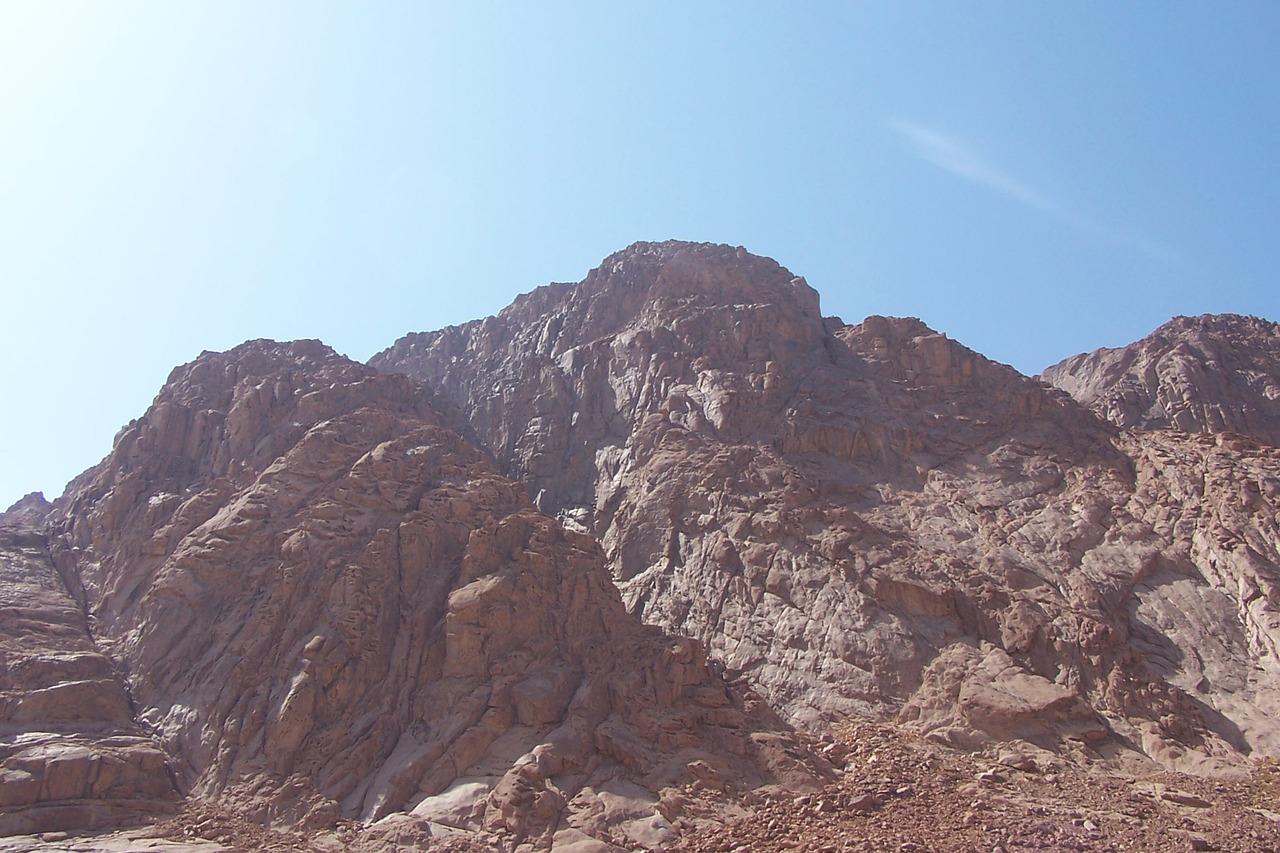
column 873, row 520
column 1211, row 374
column 71, row 754
column 331, row 605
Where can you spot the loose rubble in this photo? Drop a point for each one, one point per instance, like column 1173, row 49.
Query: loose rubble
column 901, row 793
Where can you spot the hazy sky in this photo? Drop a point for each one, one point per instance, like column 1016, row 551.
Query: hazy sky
column 1033, row 179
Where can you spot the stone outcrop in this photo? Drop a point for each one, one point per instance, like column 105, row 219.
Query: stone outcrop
column 27, row 513
column 1210, row 374
column 329, row 604
column 874, row 520
column 71, row 754
column 566, row 576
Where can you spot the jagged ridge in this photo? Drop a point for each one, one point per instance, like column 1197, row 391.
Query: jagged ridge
column 872, row 519
column 1211, row 374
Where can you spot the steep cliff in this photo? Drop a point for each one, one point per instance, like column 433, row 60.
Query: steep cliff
column 329, row 604
column 874, row 520
column 71, row 753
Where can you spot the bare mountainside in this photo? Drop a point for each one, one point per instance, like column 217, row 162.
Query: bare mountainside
column 1215, row 373
column 325, row 604
column 874, row 520
column 67, row 732
column 663, row 558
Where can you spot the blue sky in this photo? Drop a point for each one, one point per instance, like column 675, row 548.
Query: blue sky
column 1033, row 179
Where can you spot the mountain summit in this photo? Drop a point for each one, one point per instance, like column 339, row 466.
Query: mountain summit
column 1208, row 374
column 639, row 554
column 873, row 520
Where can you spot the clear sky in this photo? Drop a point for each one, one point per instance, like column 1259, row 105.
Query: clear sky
column 1033, row 179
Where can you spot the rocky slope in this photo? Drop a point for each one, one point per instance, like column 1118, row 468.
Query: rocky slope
column 903, row 794
column 327, row 604
column 1214, row 373
column 566, row 576
column 71, row 753
column 874, row 520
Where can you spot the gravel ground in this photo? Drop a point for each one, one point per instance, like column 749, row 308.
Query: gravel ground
column 897, row 794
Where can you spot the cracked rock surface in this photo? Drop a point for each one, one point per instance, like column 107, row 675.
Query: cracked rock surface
column 663, row 558
column 70, row 750
column 328, row 605
column 872, row 520
column 1213, row 373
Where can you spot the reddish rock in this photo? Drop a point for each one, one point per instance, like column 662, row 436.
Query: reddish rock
column 1211, row 374
column 71, row 755
column 872, row 520
column 331, row 605
column 303, row 589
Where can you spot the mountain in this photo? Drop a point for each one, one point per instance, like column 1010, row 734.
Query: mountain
column 324, row 603
column 873, row 520
column 71, row 752
column 664, row 557
column 1207, row 374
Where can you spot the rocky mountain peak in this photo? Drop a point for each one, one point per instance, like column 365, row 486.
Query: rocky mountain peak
column 714, row 275
column 671, row 275
column 868, row 519
column 27, row 512
column 1238, row 326
column 1209, row 374
column 568, row 576
column 717, row 302
column 328, row 603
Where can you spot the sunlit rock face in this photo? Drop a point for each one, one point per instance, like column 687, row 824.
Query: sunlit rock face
column 329, row 604
column 1208, row 374
column 875, row 520
column 71, row 754
column 570, row 575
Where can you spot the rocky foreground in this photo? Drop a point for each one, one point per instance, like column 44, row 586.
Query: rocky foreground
column 661, row 559
column 894, row 793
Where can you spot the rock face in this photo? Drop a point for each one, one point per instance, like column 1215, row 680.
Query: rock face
column 874, row 520
column 329, row 604
column 1215, row 373
column 71, row 755
column 548, row 579
column 28, row 513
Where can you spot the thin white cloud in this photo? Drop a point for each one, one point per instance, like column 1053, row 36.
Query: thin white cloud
column 954, row 156
column 948, row 153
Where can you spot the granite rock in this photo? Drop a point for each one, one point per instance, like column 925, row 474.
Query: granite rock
column 71, row 754
column 873, row 520
column 1209, row 374
column 330, row 605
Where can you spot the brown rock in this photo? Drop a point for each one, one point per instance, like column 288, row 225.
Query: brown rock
column 413, row 601
column 67, row 735
column 331, row 605
column 874, row 520
column 1184, row 798
column 1207, row 374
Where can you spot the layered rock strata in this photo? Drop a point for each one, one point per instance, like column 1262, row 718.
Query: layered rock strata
column 329, row 604
column 875, row 520
column 71, row 754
